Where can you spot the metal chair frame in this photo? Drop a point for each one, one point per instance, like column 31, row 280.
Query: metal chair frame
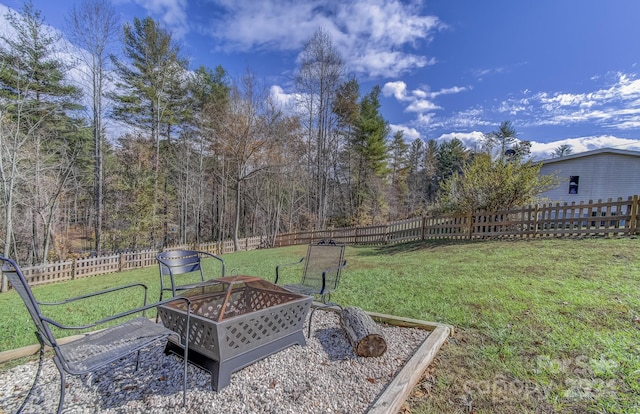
column 95, row 350
column 179, row 262
column 318, row 282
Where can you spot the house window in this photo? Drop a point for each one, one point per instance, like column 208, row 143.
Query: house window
column 573, row 184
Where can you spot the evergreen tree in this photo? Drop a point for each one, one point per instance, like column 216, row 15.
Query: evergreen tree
column 452, row 156
column 399, row 172
column 370, row 149
column 150, row 88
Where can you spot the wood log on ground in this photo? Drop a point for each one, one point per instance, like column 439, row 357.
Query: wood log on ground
column 363, row 333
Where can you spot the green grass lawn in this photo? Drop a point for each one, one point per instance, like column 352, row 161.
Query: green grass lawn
column 541, row 326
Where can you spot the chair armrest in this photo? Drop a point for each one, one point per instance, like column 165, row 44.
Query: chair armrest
column 331, row 269
column 215, row 257
column 98, row 293
column 118, row 315
column 284, row 265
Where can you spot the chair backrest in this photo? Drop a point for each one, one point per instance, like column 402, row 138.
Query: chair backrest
column 175, row 262
column 12, row 271
column 322, row 257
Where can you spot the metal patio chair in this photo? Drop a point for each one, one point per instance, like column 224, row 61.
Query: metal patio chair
column 320, row 275
column 181, row 262
column 95, row 350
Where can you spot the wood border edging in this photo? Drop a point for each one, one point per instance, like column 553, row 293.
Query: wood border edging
column 397, row 391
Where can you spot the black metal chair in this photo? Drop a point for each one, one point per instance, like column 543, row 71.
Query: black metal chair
column 182, row 262
column 321, row 273
column 94, row 350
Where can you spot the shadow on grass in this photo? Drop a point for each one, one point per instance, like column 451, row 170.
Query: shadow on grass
column 391, row 249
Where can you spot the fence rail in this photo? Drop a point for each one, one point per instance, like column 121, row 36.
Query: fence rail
column 102, row 265
column 602, row 218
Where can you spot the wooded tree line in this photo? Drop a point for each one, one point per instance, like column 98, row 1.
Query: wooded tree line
column 205, row 156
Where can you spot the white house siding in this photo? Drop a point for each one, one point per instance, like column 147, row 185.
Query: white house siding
column 603, row 174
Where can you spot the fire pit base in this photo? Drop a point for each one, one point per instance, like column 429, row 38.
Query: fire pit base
column 221, row 371
column 234, row 322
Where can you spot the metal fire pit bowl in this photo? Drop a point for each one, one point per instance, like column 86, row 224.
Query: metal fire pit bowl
column 236, row 321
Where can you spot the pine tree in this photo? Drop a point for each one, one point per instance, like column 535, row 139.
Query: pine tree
column 149, row 91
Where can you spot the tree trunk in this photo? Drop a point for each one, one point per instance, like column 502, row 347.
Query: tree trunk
column 236, row 245
column 363, row 333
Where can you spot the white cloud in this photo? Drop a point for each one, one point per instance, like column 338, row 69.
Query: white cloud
column 470, row 118
column 450, row 91
column 378, row 62
column 281, row 97
column 469, row 139
column 616, row 106
column 287, row 101
column 418, row 100
column 373, row 36
column 173, row 14
column 421, row 106
column 398, row 89
column 541, row 151
column 481, row 73
column 409, row 133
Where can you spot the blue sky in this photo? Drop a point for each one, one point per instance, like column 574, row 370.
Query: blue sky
column 561, row 71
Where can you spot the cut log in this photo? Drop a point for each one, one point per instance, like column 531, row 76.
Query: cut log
column 363, row 333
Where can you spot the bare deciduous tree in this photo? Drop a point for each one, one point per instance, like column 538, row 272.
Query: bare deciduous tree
column 94, row 28
column 317, row 81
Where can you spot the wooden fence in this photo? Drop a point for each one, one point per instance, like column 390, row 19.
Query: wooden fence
column 602, row 218
column 611, row 218
column 102, row 265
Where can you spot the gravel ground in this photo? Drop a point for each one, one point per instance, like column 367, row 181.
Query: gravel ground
column 323, row 377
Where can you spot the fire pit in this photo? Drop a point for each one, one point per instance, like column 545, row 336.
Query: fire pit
column 236, row 321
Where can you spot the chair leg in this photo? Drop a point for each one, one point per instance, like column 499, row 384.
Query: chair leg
column 138, row 359
column 24, row 403
column 310, row 319
column 63, row 384
column 186, row 360
column 326, row 305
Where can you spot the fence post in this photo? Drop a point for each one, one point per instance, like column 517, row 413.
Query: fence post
column 633, row 226
column 423, row 229
column 121, row 263
column 74, row 267
column 470, row 218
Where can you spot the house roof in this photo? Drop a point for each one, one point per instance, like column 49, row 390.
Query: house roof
column 591, row 153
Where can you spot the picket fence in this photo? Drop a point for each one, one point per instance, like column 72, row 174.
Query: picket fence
column 103, row 265
column 611, row 218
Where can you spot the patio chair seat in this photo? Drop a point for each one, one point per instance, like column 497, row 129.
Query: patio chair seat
column 99, row 349
column 302, row 289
